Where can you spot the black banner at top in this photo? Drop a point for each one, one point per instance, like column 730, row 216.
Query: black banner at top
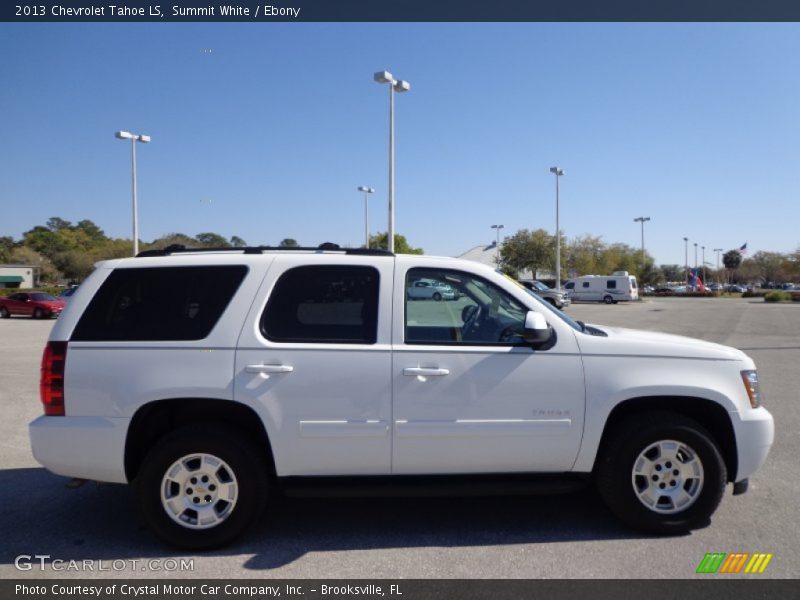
column 404, row 10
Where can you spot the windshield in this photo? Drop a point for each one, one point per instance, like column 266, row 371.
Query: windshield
column 41, row 297
column 540, row 286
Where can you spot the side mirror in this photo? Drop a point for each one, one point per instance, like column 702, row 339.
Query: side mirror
column 537, row 331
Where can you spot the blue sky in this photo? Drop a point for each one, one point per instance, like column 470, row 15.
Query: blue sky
column 269, row 134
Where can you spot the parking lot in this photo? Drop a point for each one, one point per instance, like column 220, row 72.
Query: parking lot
column 564, row 536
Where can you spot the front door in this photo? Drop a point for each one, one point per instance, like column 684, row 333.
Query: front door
column 468, row 394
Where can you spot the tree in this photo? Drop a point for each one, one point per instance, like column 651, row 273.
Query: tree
column 6, row 246
column 74, row 265
column 57, row 224
column 584, row 254
column 288, row 243
column 672, row 273
column 768, row 264
column 527, row 250
column 27, row 256
column 170, row 239
column 732, row 259
column 237, row 241
column 212, row 240
column 401, row 245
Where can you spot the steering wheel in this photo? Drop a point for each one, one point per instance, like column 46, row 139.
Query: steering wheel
column 471, row 316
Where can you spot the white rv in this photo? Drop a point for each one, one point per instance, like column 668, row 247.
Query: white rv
column 610, row 289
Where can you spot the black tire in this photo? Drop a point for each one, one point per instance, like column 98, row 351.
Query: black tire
column 437, row 296
column 38, row 313
column 249, row 468
column 608, row 299
column 550, row 301
column 4, row 314
column 616, row 482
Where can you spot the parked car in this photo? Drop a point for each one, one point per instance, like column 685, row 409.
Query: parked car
column 664, row 291
column 424, row 289
column 31, row 304
column 67, row 294
column 559, row 299
column 212, row 379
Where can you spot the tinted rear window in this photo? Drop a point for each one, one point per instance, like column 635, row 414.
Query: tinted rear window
column 159, row 304
column 324, row 304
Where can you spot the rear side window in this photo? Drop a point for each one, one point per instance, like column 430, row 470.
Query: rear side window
column 159, row 304
column 611, row 284
column 323, row 304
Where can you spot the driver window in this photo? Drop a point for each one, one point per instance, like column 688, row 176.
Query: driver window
column 452, row 307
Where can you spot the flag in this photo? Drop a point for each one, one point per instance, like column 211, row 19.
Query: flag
column 743, row 249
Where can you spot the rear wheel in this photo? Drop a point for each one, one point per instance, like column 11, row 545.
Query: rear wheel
column 4, row 314
column 201, row 486
column 662, row 472
column 608, row 299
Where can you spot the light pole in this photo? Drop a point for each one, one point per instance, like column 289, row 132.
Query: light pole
column 126, row 135
column 394, row 86
column 558, row 173
column 367, row 191
column 686, row 259
column 497, row 228
column 718, row 250
column 704, row 264
column 642, row 220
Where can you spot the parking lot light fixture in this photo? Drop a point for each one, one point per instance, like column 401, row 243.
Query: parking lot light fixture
column 558, row 173
column 717, row 250
column 367, row 191
column 497, row 229
column 394, row 86
column 686, row 259
column 642, row 220
column 144, row 139
column 704, row 263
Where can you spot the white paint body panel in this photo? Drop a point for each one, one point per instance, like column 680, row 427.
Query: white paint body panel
column 349, row 409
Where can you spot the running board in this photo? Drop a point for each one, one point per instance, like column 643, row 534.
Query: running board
column 393, row 486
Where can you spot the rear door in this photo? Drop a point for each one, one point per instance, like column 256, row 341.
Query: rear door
column 314, row 358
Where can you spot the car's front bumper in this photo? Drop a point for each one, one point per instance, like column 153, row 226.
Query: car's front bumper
column 755, row 432
column 86, row 447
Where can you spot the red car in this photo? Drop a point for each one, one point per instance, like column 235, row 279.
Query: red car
column 35, row 304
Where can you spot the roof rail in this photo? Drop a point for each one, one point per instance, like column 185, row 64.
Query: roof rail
column 324, row 247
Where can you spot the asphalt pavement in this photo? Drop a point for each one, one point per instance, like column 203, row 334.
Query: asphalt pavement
column 562, row 536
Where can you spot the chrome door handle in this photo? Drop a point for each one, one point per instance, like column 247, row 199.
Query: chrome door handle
column 425, row 372
column 269, row 368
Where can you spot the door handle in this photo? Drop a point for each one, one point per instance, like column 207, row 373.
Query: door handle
column 269, row 368
column 425, row 372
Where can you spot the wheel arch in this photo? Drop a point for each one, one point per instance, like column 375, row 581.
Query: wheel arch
column 711, row 415
column 154, row 420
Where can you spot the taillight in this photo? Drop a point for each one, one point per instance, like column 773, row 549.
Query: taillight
column 51, row 383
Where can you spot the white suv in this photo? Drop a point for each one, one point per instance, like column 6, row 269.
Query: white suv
column 212, row 379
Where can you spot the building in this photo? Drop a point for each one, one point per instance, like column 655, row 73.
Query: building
column 17, row 276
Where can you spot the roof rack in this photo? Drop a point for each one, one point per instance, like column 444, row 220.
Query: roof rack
column 324, row 247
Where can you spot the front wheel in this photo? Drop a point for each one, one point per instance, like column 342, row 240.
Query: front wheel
column 38, row 313
column 202, row 486
column 437, row 296
column 662, row 472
